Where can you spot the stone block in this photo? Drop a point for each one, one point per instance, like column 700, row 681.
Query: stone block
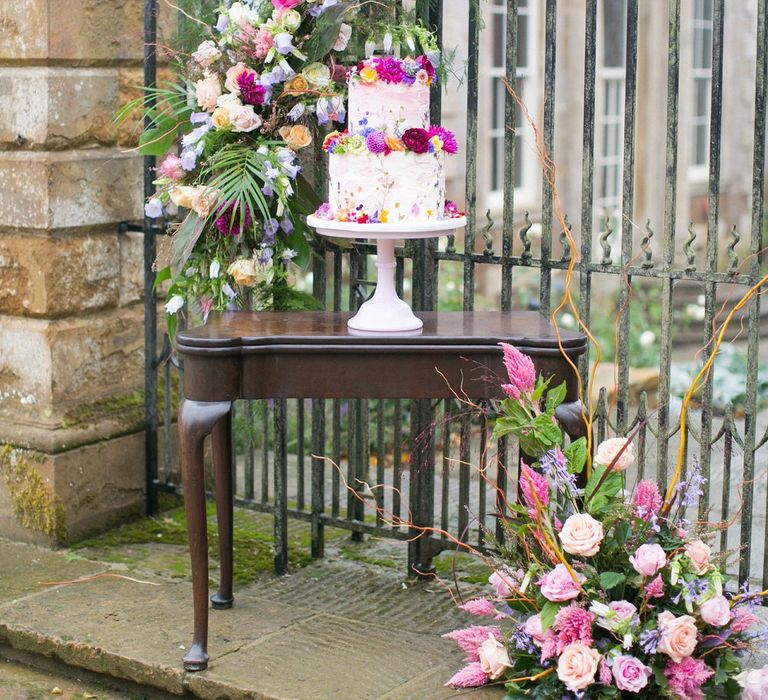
column 59, row 275
column 67, row 189
column 131, row 267
column 57, row 107
column 24, row 29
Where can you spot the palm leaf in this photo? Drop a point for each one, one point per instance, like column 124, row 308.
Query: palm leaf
column 184, row 240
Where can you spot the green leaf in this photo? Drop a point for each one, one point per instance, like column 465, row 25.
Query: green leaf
column 540, row 388
column 305, row 200
column 611, row 579
column 325, row 33
column 162, row 276
column 576, row 454
column 156, row 142
column 608, row 489
column 298, row 241
column 548, row 613
column 555, row 397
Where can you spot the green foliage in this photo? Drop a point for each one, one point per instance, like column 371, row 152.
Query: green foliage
column 602, row 489
column 326, row 32
column 548, row 613
column 576, row 454
column 611, row 579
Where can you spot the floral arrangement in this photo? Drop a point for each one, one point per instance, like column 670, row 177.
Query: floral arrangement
column 436, row 139
column 600, row 591
column 253, row 94
column 396, row 71
column 358, row 215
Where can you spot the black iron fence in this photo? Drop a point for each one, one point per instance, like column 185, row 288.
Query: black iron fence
column 377, row 447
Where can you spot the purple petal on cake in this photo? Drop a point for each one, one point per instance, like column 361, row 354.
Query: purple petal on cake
column 377, row 142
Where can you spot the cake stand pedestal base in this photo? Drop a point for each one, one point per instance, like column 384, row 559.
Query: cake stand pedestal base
column 385, row 312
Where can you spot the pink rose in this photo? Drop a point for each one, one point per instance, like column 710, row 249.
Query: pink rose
column 286, row 4
column 716, row 611
column 208, row 90
column 630, row 673
column 577, row 666
column 623, row 608
column 171, row 167
column 502, row 583
column 494, row 659
column 649, row 559
column 558, row 585
column 608, row 451
column 244, row 118
column 698, row 553
column 534, row 631
column 581, row 535
column 754, row 684
column 678, row 635
column 233, row 74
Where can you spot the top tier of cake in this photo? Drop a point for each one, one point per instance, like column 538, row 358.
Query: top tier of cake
column 391, row 94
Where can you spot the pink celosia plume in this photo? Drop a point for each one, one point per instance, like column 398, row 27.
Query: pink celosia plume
column 479, row 606
column 687, row 677
column 573, row 624
column 655, row 589
column 646, row 501
column 470, row 638
column 531, row 482
column 522, row 373
column 471, row 676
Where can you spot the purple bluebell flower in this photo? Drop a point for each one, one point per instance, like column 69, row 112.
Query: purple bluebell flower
column 231, row 293
column 692, row 487
column 287, row 225
column 554, row 465
column 270, row 229
column 267, row 190
column 200, row 118
column 222, row 23
column 291, row 169
column 194, row 136
column 153, row 209
column 522, row 640
column 188, row 159
column 265, row 255
column 649, row 641
column 270, row 171
column 283, row 43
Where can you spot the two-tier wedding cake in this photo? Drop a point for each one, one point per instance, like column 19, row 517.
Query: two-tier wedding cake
column 388, row 166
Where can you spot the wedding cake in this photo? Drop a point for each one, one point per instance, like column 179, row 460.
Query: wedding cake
column 388, row 166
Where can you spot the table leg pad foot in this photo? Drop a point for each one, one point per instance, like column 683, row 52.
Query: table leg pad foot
column 219, row 602
column 196, row 659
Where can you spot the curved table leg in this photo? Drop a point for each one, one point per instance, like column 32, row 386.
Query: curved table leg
column 196, row 420
column 222, row 465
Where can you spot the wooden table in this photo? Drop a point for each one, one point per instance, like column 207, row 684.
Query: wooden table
column 244, row 355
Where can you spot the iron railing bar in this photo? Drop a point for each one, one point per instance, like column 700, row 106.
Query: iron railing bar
column 473, row 77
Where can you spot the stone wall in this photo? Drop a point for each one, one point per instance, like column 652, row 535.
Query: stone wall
column 71, row 282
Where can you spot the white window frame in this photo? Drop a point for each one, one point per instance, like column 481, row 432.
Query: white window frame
column 698, row 171
column 525, row 191
column 609, row 154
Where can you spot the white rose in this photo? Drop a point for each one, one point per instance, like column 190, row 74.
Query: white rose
column 208, row 90
column 244, row 118
column 291, row 20
column 345, row 32
column 228, row 101
column 494, row 659
column 207, row 53
column 238, row 12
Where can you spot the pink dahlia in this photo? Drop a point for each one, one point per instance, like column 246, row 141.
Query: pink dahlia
column 471, row 638
column 479, row 606
column 425, row 64
column 228, row 222
column 606, row 677
column 447, row 137
column 522, row 373
column 253, row 93
column 573, row 624
column 390, row 69
column 646, row 501
column 471, row 676
column 377, row 142
column 531, row 482
column 687, row 677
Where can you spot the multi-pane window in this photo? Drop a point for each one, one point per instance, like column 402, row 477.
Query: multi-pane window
column 701, row 74
column 611, row 53
column 498, row 127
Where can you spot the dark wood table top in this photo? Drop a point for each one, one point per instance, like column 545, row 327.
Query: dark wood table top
column 241, row 330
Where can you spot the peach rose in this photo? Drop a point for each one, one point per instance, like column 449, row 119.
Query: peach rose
column 698, row 552
column 220, row 118
column 296, row 136
column 678, row 635
column 203, row 201
column 207, row 91
column 245, row 272
column 716, row 611
column 494, row 659
column 182, row 196
column 754, row 684
column 582, row 535
column 649, row 559
column 296, row 85
column 244, row 119
column 577, row 666
column 608, row 451
column 233, row 74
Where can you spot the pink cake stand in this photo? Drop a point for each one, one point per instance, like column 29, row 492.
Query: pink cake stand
column 385, row 312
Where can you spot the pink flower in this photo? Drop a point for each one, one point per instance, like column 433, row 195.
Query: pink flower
column 533, row 630
column 623, row 608
column 207, row 91
column 716, row 611
column 581, row 535
column 531, row 482
column 754, row 684
column 577, row 666
column 286, row 4
column 687, row 676
column 558, row 586
column 479, row 606
column 522, row 373
column 698, row 553
column 617, row 453
column 649, row 559
column 494, row 659
column 471, row 676
column 503, row 582
column 447, row 137
column 606, row 677
column 678, row 635
column 655, row 589
column 743, row 620
column 630, row 673
column 573, row 624
column 646, row 501
column 171, row 167
column 470, row 639
column 263, row 42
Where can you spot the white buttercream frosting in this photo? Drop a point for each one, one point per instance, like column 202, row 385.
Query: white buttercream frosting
column 393, row 107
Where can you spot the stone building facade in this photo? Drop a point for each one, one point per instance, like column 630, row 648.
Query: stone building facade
column 71, row 280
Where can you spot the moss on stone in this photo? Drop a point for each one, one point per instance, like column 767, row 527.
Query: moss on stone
column 35, row 506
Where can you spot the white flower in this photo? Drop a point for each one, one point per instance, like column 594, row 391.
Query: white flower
column 213, row 270
column 370, row 47
column 345, row 32
column 207, row 53
column 647, row 339
column 174, row 304
column 289, row 254
column 291, row 20
column 387, row 42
